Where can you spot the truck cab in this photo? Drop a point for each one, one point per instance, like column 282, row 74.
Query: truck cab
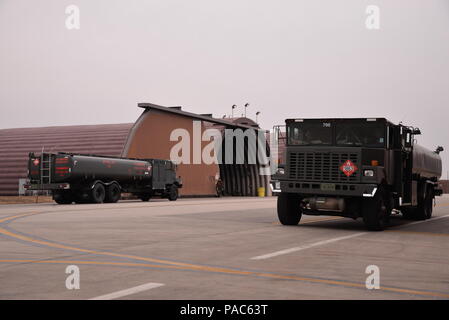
column 353, row 167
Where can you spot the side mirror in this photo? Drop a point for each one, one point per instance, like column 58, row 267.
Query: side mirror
column 439, row 149
column 416, row 131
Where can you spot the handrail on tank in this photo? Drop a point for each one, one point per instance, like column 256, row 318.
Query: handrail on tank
column 32, row 154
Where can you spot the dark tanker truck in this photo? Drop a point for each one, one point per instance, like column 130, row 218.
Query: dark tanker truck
column 367, row 168
column 95, row 179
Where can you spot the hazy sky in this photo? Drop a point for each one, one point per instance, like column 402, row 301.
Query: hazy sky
column 287, row 58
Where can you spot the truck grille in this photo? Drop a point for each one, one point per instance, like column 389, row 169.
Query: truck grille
column 321, row 166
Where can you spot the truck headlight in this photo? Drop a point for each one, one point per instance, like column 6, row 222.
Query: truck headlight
column 368, row 173
column 280, row 171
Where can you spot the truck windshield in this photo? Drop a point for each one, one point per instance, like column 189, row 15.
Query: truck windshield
column 360, row 134
column 310, row 133
column 344, row 133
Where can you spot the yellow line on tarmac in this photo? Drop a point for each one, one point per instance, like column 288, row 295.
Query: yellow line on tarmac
column 66, row 247
column 18, row 216
column 237, row 272
column 125, row 264
column 110, row 254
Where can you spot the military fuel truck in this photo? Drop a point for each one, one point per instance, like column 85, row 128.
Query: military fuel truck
column 84, row 178
column 368, row 168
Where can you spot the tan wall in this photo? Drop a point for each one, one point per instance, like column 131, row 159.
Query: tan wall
column 445, row 185
column 150, row 138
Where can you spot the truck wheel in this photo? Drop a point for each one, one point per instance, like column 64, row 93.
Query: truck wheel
column 173, row 193
column 113, row 193
column 425, row 207
column 376, row 211
column 63, row 198
column 98, row 193
column 289, row 210
column 429, row 205
column 145, row 197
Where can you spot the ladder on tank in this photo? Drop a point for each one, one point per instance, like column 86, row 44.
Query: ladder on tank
column 45, row 168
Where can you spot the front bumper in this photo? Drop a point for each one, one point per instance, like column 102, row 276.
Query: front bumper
column 48, row 186
column 275, row 186
column 329, row 189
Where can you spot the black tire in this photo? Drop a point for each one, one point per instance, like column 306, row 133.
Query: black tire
column 429, row 205
column 425, row 206
column 98, row 193
column 63, row 198
column 113, row 193
column 289, row 209
column 145, row 197
column 173, row 193
column 376, row 211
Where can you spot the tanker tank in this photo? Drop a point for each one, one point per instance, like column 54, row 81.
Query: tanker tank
column 426, row 163
column 81, row 166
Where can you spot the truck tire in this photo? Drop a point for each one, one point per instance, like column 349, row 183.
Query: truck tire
column 145, row 197
column 173, row 193
column 113, row 193
column 376, row 211
column 98, row 193
column 63, row 197
column 289, row 209
column 429, row 205
column 425, row 206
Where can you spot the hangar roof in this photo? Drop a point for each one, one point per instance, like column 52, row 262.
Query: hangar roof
column 208, row 118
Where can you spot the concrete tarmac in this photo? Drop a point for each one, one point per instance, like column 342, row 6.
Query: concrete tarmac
column 226, row 248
